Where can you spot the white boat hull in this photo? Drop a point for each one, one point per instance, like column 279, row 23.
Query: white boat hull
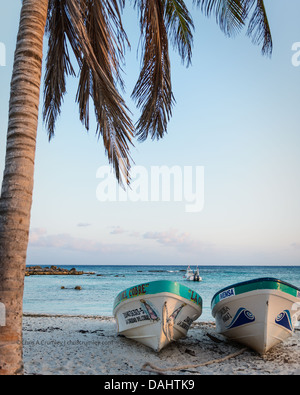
column 259, row 318
column 157, row 319
column 193, row 278
column 190, row 275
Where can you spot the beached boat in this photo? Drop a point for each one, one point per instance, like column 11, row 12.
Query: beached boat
column 192, row 275
column 156, row 313
column 259, row 313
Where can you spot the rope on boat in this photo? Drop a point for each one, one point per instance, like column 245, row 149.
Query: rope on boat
column 167, row 325
column 156, row 369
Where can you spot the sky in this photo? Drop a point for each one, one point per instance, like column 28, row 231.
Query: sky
column 233, row 142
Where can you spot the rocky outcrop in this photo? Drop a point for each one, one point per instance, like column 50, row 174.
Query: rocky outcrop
column 53, row 270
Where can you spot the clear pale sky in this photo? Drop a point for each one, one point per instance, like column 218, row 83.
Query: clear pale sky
column 236, row 114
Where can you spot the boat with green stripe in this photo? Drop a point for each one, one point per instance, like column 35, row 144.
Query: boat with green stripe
column 259, row 313
column 156, row 313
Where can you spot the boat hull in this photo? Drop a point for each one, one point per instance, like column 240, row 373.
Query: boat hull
column 259, row 314
column 190, row 275
column 156, row 313
column 193, row 278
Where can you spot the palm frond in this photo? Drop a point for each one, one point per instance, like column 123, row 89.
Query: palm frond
column 230, row 14
column 259, row 28
column 107, row 43
column 58, row 64
column 180, row 28
column 153, row 91
column 94, row 32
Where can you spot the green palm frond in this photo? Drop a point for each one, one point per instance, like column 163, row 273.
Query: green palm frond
column 180, row 28
column 58, row 64
column 93, row 29
column 230, row 14
column 161, row 21
column 153, row 91
column 233, row 15
column 259, row 28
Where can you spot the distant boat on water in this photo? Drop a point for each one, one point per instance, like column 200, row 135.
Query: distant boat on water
column 192, row 275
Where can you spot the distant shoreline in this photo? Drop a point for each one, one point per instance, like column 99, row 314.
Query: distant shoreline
column 53, row 271
column 171, row 265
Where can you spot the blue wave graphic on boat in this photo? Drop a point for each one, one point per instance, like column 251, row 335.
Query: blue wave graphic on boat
column 242, row 317
column 284, row 319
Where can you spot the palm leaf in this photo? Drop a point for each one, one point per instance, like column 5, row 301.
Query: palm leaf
column 103, row 42
column 160, row 20
column 230, row 14
column 153, row 91
column 259, row 28
column 95, row 34
column 58, row 64
column 180, row 28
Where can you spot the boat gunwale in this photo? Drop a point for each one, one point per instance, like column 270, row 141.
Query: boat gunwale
column 261, row 287
column 118, row 300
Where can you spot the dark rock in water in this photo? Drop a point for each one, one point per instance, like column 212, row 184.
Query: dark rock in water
column 156, row 271
column 53, row 271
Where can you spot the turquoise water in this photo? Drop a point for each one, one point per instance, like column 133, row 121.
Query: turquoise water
column 43, row 294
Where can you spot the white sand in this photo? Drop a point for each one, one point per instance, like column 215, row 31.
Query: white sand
column 59, row 345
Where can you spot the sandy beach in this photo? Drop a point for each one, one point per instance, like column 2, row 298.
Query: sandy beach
column 67, row 345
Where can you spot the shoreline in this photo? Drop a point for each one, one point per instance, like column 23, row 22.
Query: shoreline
column 50, row 315
column 95, row 317
column 89, row 345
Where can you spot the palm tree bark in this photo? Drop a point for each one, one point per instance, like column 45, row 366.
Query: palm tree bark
column 17, row 186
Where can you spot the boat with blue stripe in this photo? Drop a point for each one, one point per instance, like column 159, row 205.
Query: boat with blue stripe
column 259, row 313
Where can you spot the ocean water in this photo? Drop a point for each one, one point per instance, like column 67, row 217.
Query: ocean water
column 43, row 294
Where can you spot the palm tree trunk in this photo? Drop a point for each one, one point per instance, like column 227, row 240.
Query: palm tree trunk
column 17, row 186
